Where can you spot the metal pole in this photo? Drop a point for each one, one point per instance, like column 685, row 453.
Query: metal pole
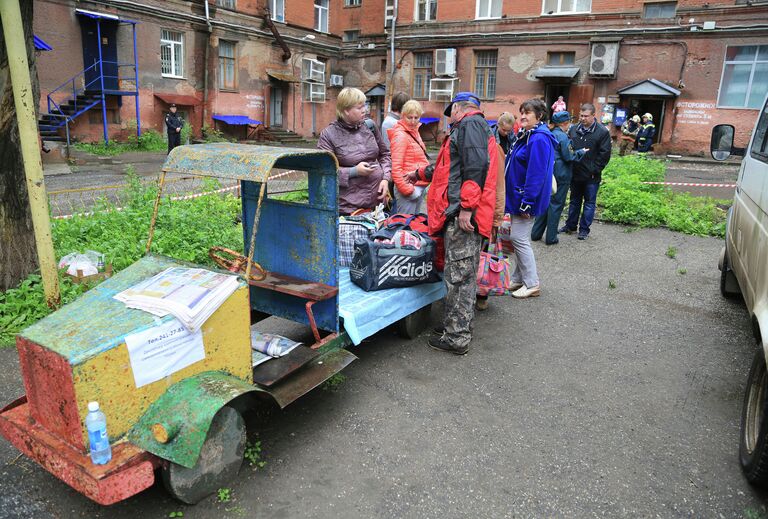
column 101, row 80
column 66, row 126
column 30, row 146
column 136, row 79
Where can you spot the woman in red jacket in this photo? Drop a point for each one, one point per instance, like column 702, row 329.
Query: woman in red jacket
column 408, row 154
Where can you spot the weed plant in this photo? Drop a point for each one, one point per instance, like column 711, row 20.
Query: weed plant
column 624, row 198
column 149, row 140
column 185, row 230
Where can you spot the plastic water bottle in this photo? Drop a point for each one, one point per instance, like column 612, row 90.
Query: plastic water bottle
column 96, row 423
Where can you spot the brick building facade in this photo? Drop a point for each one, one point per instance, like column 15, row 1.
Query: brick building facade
column 691, row 63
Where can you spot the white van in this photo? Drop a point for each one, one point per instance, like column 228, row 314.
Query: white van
column 744, row 271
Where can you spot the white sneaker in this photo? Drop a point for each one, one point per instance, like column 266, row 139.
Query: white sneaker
column 515, row 286
column 524, row 291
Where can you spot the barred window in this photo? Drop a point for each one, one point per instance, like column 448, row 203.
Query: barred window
column 422, row 74
column 485, row 73
column 171, row 53
column 226, row 4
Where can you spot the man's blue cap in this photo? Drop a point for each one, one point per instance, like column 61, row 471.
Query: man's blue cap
column 561, row 117
column 462, row 96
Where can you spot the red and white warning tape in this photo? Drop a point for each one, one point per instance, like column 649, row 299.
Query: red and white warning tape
column 186, row 197
column 688, row 184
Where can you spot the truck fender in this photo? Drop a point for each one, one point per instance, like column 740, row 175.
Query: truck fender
column 175, row 426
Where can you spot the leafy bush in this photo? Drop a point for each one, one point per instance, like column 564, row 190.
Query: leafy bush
column 211, row 134
column 149, row 140
column 624, row 198
column 185, row 230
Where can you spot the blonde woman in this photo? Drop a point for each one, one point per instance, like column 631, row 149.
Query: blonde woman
column 408, row 154
column 364, row 161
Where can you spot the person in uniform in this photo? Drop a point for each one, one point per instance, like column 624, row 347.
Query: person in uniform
column 173, row 123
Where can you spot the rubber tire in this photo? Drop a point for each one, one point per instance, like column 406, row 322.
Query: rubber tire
column 411, row 326
column 753, row 442
column 219, row 462
column 728, row 279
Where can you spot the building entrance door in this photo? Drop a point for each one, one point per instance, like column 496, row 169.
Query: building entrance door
column 552, row 91
column 276, row 106
column 655, row 107
column 90, row 32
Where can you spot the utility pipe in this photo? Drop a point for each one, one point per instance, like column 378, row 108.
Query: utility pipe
column 205, row 68
column 25, row 103
column 391, row 82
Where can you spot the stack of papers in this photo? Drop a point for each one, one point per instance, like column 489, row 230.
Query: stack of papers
column 189, row 294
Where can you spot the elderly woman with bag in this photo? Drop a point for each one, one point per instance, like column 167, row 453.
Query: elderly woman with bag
column 529, row 186
column 364, row 161
column 408, row 154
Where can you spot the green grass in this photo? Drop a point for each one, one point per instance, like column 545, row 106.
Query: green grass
column 150, row 140
column 624, row 198
column 185, row 230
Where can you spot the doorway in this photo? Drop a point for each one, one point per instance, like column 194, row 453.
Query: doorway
column 90, row 31
column 277, row 95
column 552, row 91
column 655, row 107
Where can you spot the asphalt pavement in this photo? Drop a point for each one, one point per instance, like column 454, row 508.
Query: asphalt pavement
column 589, row 401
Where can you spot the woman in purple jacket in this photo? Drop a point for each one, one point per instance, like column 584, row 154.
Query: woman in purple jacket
column 364, row 161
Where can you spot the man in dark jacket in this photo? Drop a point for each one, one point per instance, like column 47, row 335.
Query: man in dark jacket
column 595, row 140
column 461, row 202
column 173, row 123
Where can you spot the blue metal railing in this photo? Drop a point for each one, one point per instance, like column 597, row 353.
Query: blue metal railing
column 79, row 84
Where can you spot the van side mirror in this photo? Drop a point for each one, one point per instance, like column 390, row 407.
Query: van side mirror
column 721, row 143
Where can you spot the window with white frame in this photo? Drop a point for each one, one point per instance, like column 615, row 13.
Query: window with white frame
column 227, row 65
column 352, row 3
column 353, row 35
column 426, row 10
column 277, row 8
column 745, row 77
column 566, row 6
column 488, row 9
column 422, row 74
column 485, row 73
column 171, row 53
column 389, row 12
column 321, row 15
column 313, row 92
column 226, row 4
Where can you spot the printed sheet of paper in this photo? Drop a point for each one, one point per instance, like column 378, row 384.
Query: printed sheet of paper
column 163, row 350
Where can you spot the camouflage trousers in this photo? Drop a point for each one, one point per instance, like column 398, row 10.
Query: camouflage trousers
column 462, row 255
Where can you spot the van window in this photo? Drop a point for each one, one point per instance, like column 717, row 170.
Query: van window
column 759, row 149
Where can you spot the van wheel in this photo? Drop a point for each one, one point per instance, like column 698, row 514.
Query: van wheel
column 753, row 451
column 729, row 285
column 411, row 326
column 218, row 464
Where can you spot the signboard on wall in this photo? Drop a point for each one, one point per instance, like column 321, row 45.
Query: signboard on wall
column 695, row 113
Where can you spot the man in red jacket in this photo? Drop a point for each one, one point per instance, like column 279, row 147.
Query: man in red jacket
column 460, row 204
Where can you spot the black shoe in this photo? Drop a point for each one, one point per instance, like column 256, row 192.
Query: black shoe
column 582, row 236
column 553, row 242
column 566, row 230
column 535, row 239
column 438, row 343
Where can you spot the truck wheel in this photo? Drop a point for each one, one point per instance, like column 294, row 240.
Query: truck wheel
column 753, row 451
column 411, row 326
column 219, row 462
column 729, row 285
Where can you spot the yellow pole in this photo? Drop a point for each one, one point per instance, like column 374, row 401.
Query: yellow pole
column 30, row 146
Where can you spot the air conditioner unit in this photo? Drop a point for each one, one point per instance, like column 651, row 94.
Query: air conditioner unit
column 337, row 80
column 312, row 70
column 445, row 62
column 313, row 92
column 604, row 59
column 442, row 89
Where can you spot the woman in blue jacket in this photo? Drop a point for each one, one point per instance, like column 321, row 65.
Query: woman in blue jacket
column 529, row 185
column 564, row 158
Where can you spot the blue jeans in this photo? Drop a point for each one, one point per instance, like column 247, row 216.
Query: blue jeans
column 586, row 193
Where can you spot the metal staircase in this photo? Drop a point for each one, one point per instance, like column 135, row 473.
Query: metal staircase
column 82, row 92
